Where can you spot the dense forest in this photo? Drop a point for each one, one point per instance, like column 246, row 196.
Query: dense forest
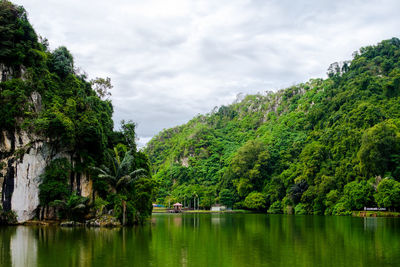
column 327, row 146
column 44, row 94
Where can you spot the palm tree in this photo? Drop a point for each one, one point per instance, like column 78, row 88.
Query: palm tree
column 120, row 174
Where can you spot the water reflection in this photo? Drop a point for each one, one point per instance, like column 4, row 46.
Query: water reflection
column 23, row 247
column 210, row 240
column 371, row 223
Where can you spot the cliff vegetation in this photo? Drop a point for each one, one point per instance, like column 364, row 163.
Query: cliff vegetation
column 45, row 97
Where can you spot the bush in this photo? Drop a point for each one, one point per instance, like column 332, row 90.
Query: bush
column 331, row 199
column 340, row 210
column 77, row 207
column 7, row 217
column 255, row 201
column 99, row 205
column 226, row 197
column 275, row 208
column 358, row 195
column 54, row 184
column 388, row 195
column 62, row 62
column 300, row 209
column 239, row 205
column 287, row 205
column 74, row 208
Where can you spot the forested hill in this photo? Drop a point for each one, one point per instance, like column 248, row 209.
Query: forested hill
column 327, row 146
column 59, row 155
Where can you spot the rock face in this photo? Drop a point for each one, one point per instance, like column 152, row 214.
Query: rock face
column 25, row 196
column 23, row 158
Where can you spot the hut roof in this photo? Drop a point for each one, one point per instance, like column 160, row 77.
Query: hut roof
column 177, row 204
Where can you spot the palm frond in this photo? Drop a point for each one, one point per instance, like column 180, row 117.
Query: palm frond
column 135, row 174
column 124, row 180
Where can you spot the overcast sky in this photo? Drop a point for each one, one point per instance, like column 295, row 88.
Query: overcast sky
column 170, row 60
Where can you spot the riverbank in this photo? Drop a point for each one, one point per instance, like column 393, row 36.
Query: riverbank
column 103, row 221
column 109, row 221
column 166, row 210
column 375, row 214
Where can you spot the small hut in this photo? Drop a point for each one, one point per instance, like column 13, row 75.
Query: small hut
column 177, row 207
column 218, row 207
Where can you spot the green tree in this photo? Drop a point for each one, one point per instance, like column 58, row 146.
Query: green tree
column 62, row 62
column 17, row 38
column 388, row 194
column 276, row 208
column 130, row 185
column 311, row 157
column 255, row 201
column 357, row 195
column 378, row 146
column 250, row 167
column 129, row 132
column 54, row 181
column 226, row 197
column 102, row 86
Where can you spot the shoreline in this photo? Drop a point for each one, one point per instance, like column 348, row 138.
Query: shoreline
column 68, row 224
column 389, row 214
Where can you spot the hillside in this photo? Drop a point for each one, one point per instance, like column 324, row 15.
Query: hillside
column 322, row 147
column 58, row 149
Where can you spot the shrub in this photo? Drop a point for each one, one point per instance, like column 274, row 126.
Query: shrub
column 255, row 201
column 275, row 208
column 99, row 205
column 388, row 195
column 358, row 195
column 340, row 210
column 54, row 184
column 300, row 209
column 7, row 217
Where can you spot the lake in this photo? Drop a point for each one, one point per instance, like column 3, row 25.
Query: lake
column 210, row 240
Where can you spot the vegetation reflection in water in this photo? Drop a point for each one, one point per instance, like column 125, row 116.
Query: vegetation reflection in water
column 210, row 240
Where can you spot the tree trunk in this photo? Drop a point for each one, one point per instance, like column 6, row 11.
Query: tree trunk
column 123, row 212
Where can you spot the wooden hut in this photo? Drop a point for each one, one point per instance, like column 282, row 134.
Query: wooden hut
column 177, row 207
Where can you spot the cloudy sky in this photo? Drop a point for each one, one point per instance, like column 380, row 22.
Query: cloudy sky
column 170, row 60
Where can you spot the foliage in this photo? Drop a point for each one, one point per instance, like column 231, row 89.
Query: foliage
column 378, row 146
column 99, row 205
column 255, row 201
column 42, row 93
column 73, row 208
column 275, row 208
column 331, row 199
column 300, row 209
column 250, row 167
column 122, row 172
column 7, row 217
column 54, row 185
column 128, row 182
column 316, row 143
column 61, row 62
column 226, row 197
column 357, row 195
column 102, row 86
column 388, row 194
column 340, row 210
column 18, row 40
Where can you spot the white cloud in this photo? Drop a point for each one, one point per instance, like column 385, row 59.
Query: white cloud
column 170, row 60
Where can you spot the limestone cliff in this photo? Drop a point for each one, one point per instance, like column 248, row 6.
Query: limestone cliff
column 23, row 158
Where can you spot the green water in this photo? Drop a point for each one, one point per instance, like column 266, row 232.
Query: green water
column 210, row 240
